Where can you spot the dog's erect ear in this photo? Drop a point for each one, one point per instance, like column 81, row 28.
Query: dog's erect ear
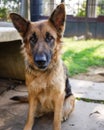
column 58, row 18
column 19, row 23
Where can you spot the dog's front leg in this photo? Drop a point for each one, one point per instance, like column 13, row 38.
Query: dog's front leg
column 31, row 112
column 58, row 106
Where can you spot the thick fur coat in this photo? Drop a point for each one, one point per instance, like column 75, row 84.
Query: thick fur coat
column 47, row 81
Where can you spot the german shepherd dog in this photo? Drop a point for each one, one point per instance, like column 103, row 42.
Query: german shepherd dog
column 47, row 80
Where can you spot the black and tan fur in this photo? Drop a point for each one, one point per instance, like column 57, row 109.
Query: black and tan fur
column 46, row 76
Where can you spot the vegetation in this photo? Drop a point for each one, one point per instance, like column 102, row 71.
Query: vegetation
column 82, row 10
column 101, row 7
column 80, row 55
column 8, row 6
column 90, row 100
column 3, row 13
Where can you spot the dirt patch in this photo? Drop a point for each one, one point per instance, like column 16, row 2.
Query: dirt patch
column 95, row 74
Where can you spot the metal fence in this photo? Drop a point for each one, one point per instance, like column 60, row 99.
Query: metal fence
column 94, row 8
column 76, row 14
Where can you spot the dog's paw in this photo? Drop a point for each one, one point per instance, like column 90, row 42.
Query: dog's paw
column 38, row 115
column 68, row 107
column 64, row 118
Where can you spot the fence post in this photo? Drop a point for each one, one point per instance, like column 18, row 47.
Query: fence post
column 62, row 1
column 24, row 8
column 35, row 9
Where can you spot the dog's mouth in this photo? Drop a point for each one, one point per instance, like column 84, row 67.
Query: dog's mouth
column 42, row 66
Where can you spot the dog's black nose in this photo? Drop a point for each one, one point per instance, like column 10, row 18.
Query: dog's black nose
column 40, row 60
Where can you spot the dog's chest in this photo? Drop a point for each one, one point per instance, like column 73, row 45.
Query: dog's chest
column 51, row 82
column 47, row 87
column 47, row 91
column 46, row 99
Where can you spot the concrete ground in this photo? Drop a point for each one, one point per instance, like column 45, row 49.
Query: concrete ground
column 86, row 116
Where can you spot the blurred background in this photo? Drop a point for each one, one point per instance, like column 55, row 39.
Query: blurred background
column 83, row 48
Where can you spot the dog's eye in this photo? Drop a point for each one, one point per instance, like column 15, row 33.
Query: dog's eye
column 49, row 38
column 33, row 39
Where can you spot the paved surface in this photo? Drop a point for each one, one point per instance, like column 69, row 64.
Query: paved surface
column 86, row 116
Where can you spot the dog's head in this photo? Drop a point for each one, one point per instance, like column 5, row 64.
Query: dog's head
column 41, row 39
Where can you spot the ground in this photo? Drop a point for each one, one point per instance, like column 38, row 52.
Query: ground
column 95, row 74
column 87, row 115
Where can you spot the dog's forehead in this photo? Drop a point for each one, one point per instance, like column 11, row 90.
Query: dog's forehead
column 43, row 26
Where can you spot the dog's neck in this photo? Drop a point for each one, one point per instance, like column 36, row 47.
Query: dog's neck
column 30, row 69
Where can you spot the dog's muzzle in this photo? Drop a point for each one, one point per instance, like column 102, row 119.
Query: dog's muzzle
column 41, row 61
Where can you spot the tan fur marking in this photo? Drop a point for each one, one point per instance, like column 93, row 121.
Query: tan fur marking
column 46, row 87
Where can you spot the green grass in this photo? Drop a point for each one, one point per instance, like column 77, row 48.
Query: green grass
column 90, row 100
column 80, row 55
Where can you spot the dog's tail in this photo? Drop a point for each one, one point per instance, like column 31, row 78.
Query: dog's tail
column 23, row 99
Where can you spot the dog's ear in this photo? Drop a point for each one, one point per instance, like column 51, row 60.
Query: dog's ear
column 19, row 23
column 58, row 18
